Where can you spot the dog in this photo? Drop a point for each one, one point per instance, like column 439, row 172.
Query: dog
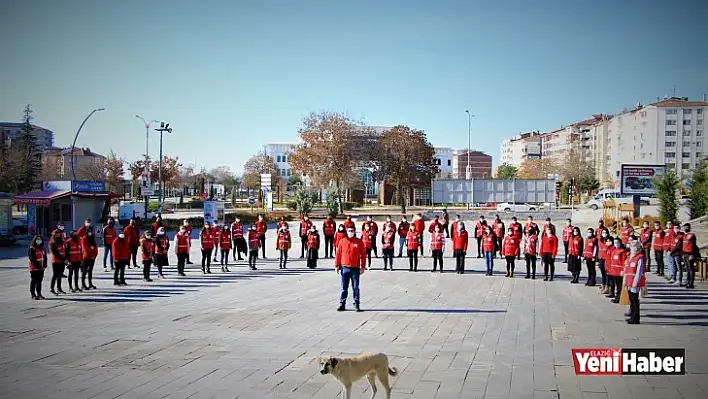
column 347, row 370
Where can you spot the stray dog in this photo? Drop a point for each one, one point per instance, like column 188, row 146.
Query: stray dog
column 349, row 369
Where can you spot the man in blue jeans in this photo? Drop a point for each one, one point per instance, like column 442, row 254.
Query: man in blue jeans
column 350, row 263
column 109, row 235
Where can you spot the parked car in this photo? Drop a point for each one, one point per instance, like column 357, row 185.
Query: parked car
column 599, row 199
column 508, row 207
column 684, row 200
column 19, row 227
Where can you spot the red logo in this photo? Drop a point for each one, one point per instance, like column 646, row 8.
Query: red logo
column 629, row 361
column 599, row 361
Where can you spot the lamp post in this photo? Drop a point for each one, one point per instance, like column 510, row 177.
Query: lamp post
column 164, row 127
column 147, row 159
column 468, row 169
column 73, row 145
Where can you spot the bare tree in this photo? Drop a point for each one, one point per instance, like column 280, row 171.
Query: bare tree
column 258, row 164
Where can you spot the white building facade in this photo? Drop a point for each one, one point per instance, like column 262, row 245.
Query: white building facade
column 12, row 130
column 516, row 150
column 443, row 158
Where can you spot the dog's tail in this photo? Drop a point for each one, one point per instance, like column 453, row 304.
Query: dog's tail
column 392, row 371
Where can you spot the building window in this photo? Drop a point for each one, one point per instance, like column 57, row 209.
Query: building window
column 699, row 144
column 686, row 122
column 285, row 158
column 449, row 162
column 668, row 155
column 685, row 165
column 671, row 144
column 277, row 158
column 289, row 173
column 699, row 133
column 686, row 155
column 671, row 111
column 699, row 154
column 670, row 122
column 686, row 143
column 670, row 133
column 699, row 122
column 686, row 133
column 437, row 161
column 687, row 111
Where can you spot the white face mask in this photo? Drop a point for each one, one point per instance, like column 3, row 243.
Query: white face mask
column 121, row 235
column 350, row 234
column 604, row 234
column 589, row 234
column 183, row 231
column 238, row 220
column 87, row 224
column 61, row 228
column 618, row 244
column 89, row 234
column 633, row 249
column 38, row 242
column 186, row 223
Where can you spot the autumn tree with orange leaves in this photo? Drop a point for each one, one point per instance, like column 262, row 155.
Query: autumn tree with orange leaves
column 536, row 169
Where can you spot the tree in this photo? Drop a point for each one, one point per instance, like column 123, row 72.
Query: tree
column 333, row 195
column 405, row 157
column 295, row 180
column 171, row 176
column 506, row 171
column 25, row 157
column 109, row 170
column 331, row 147
column 257, row 165
column 580, row 169
column 5, row 167
column 666, row 188
column 303, row 200
column 698, row 203
column 51, row 166
column 536, row 169
column 230, row 181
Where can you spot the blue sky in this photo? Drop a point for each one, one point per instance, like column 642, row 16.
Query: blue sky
column 231, row 76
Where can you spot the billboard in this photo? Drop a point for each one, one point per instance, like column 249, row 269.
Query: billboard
column 637, row 179
column 518, row 191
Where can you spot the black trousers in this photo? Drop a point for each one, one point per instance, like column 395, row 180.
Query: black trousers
column 57, row 273
column 647, row 256
column 615, row 286
column 388, row 257
column 603, row 271
column 459, row 260
column 549, row 266
column 134, row 253
column 575, row 265
column 499, row 246
column 565, row 251
column 374, row 247
column 659, row 257
column 530, row 265
column 510, row 264
column 446, row 229
column 239, row 246
column 74, row 269
column 329, row 246
column 592, row 271
column 303, row 245
column 437, row 257
column 368, row 258
column 633, row 307
column 413, row 259
column 206, row 259
column 252, row 256
column 181, row 260
column 479, row 247
column 36, row 277
column 146, row 268
column 119, row 272
column 314, row 253
column 87, row 271
column 225, row 257
column 691, row 266
column 420, row 244
column 160, row 261
column 261, row 239
column 283, row 258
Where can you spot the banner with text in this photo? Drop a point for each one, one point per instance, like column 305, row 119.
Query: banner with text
column 638, row 179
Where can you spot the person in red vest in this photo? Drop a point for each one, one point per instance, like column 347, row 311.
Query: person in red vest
column 489, row 246
column 530, row 254
column 225, row 247
column 434, row 224
column 499, row 230
column 188, row 230
column 645, row 238
column 206, row 238
column 668, row 242
column 460, row 242
column 691, row 254
column 603, row 249
column 617, row 256
column 549, row 251
column 403, row 228
column 216, row 233
column 566, row 236
column 437, row 246
column 238, row 242
column 261, row 229
column 677, row 253
column 83, row 230
column 516, row 227
column 453, row 226
column 635, row 279
column 162, row 247
column 155, row 226
column 60, row 255
column 329, row 227
column 313, row 247
column 590, row 253
column 121, row 257
column 59, row 230
column 479, row 229
column 37, row 264
column 254, row 242
column 89, row 252
column 75, row 258
column 348, row 223
column 283, row 243
column 339, row 235
column 575, row 253
column 389, row 223
column 420, row 229
column 350, row 264
column 132, row 234
column 388, row 240
column 305, row 225
column 374, row 228
column 182, row 249
column 109, row 235
column 367, row 238
column 413, row 243
column 510, row 250
column 626, row 232
column 147, row 250
column 658, row 246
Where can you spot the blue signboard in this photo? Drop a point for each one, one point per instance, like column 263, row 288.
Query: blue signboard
column 88, row 186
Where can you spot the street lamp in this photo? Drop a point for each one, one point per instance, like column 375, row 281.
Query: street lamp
column 147, row 157
column 73, row 145
column 468, row 169
column 164, row 127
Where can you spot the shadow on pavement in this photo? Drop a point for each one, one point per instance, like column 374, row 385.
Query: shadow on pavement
column 452, row 311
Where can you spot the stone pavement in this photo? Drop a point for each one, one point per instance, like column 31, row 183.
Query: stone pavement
column 257, row 334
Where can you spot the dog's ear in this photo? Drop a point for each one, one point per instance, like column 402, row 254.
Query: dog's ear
column 333, row 361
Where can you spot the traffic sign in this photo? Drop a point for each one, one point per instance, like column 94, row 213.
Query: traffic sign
column 265, row 187
column 147, row 191
column 251, row 200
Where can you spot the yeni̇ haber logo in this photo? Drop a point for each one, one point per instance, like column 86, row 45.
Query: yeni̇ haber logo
column 629, row 361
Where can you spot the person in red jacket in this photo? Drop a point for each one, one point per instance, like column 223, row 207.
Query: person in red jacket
column 206, row 238
column 413, row 244
column 132, row 234
column 121, row 256
column 676, row 253
column 489, row 246
column 281, row 223
column 329, row 228
column 645, row 238
column 516, row 227
column 626, row 232
column 37, row 264
column 109, row 235
column 254, row 242
column 305, row 225
column 530, row 254
column 261, row 229
column 566, row 236
column 339, row 235
column 658, row 246
column 419, row 223
column 75, row 257
column 437, row 246
column 156, row 225
column 617, row 256
column 283, row 243
column 367, row 238
column 239, row 243
column 388, row 241
column 575, row 253
column 691, row 254
column 216, row 233
column 403, row 228
column 635, row 279
column 147, row 250
column 89, row 250
column 549, row 250
column 479, row 229
column 590, row 254
column 182, row 249
column 374, row 235
column 88, row 226
column 225, row 247
column 460, row 242
column 60, row 256
column 188, row 230
column 603, row 249
column 667, row 244
column 349, row 224
column 499, row 231
column 510, row 250
column 313, row 247
column 389, row 223
column 350, row 264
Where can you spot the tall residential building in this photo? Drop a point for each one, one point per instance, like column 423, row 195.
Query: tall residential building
column 481, row 164
column 443, row 158
column 60, row 158
column 281, row 156
column 45, row 137
column 516, row 150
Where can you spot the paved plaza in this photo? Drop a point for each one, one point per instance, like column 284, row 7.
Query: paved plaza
column 257, row 334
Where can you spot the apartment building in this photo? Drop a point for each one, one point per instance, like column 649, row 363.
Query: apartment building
column 44, row 137
column 481, row 164
column 520, row 148
column 60, row 158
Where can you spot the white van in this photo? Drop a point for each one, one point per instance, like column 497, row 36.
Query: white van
column 611, row 193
